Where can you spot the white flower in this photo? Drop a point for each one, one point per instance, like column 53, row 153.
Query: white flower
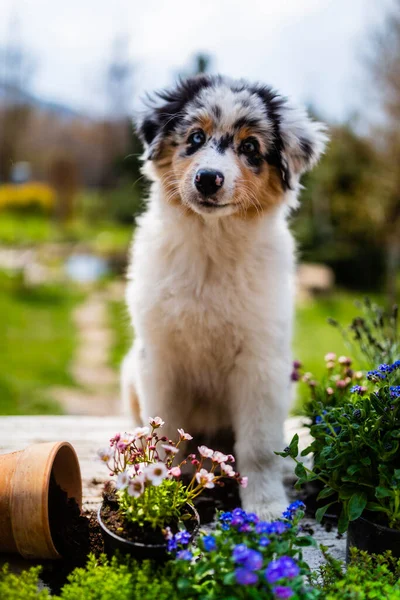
column 156, row 473
column 122, row 480
column 170, row 449
column 156, row 422
column 227, row 470
column 205, row 452
column 136, row 486
column 184, row 435
column 140, row 432
column 205, row 478
column 126, row 439
column 105, row 454
column 244, row 481
column 218, row 457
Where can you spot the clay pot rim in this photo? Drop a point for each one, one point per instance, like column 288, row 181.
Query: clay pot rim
column 141, row 544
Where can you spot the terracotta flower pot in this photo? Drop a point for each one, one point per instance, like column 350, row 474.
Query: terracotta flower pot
column 24, row 496
column 372, row 537
column 141, row 550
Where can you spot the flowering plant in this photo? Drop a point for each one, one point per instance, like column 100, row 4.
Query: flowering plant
column 333, row 388
column 246, row 558
column 356, row 450
column 148, row 484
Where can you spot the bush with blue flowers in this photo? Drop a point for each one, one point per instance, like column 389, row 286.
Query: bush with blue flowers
column 356, row 448
column 244, row 557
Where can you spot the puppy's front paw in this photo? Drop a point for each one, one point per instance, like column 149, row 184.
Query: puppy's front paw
column 268, row 511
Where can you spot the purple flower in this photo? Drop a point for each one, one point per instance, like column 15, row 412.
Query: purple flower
column 283, row 567
column 182, row 537
column 245, row 577
column 252, row 518
column 394, row 391
column 172, row 544
column 282, row 592
column 263, row 527
column 240, row 553
column 209, row 543
column 184, row 555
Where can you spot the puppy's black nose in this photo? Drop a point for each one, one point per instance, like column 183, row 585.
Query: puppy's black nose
column 208, row 182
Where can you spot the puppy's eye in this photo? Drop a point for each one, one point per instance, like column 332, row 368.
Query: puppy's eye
column 197, row 139
column 249, row 147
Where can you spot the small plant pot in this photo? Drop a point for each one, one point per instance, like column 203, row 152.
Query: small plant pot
column 24, row 496
column 374, row 538
column 140, row 550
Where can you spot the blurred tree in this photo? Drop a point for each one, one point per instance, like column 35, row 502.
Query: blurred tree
column 17, row 68
column 339, row 221
column 383, row 71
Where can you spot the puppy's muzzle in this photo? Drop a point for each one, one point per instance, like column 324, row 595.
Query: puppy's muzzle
column 208, row 182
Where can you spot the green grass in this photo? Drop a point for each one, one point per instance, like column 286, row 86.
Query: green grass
column 38, row 341
column 314, row 337
column 101, row 236
column 122, row 332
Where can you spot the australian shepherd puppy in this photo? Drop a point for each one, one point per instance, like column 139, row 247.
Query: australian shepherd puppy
column 210, row 289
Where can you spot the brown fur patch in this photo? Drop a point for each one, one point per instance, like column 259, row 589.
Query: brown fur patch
column 258, row 193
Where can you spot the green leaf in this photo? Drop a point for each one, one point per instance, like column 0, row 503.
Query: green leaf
column 319, row 514
column 325, row 493
column 229, row 579
column 294, row 446
column 375, row 507
column 300, row 471
column 381, row 492
column 357, row 503
column 352, row 469
column 366, row 461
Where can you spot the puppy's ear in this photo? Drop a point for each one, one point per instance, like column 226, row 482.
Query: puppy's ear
column 166, row 110
column 302, row 142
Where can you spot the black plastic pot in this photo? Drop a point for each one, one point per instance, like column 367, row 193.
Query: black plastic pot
column 140, row 550
column 374, row 538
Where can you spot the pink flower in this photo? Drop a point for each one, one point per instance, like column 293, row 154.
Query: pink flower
column 331, row 356
column 184, row 435
column 205, row 452
column 344, row 360
column 227, row 470
column 124, row 441
column 243, row 481
column 175, row 471
column 156, row 422
column 231, row 458
column 170, row 449
column 156, row 473
column 105, row 454
column 330, row 365
column 205, row 478
column 136, row 486
column 140, row 432
column 329, row 391
column 218, row 457
column 341, row 384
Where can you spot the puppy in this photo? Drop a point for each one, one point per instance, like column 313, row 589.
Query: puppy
column 210, row 289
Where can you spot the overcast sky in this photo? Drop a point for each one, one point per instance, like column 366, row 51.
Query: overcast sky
column 308, row 49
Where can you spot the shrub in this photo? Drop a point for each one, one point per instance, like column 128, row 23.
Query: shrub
column 356, row 451
column 368, row 577
column 27, row 196
column 22, row 586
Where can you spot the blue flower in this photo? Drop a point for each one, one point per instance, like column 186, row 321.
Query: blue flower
column 182, row 537
column 172, row 544
column 395, row 391
column 264, row 541
column 384, row 368
column 375, row 375
column 245, row 577
column 184, row 555
column 240, row 553
column 226, row 517
column 283, row 567
column 252, row 518
column 253, row 561
column 263, row 527
column 282, row 592
column 318, row 419
column 209, row 543
column 292, row 509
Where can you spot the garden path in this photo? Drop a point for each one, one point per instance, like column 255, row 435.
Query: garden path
column 97, row 391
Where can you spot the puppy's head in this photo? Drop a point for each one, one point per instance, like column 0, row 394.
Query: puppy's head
column 221, row 147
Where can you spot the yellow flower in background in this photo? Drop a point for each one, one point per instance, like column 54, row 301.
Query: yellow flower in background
column 29, row 194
